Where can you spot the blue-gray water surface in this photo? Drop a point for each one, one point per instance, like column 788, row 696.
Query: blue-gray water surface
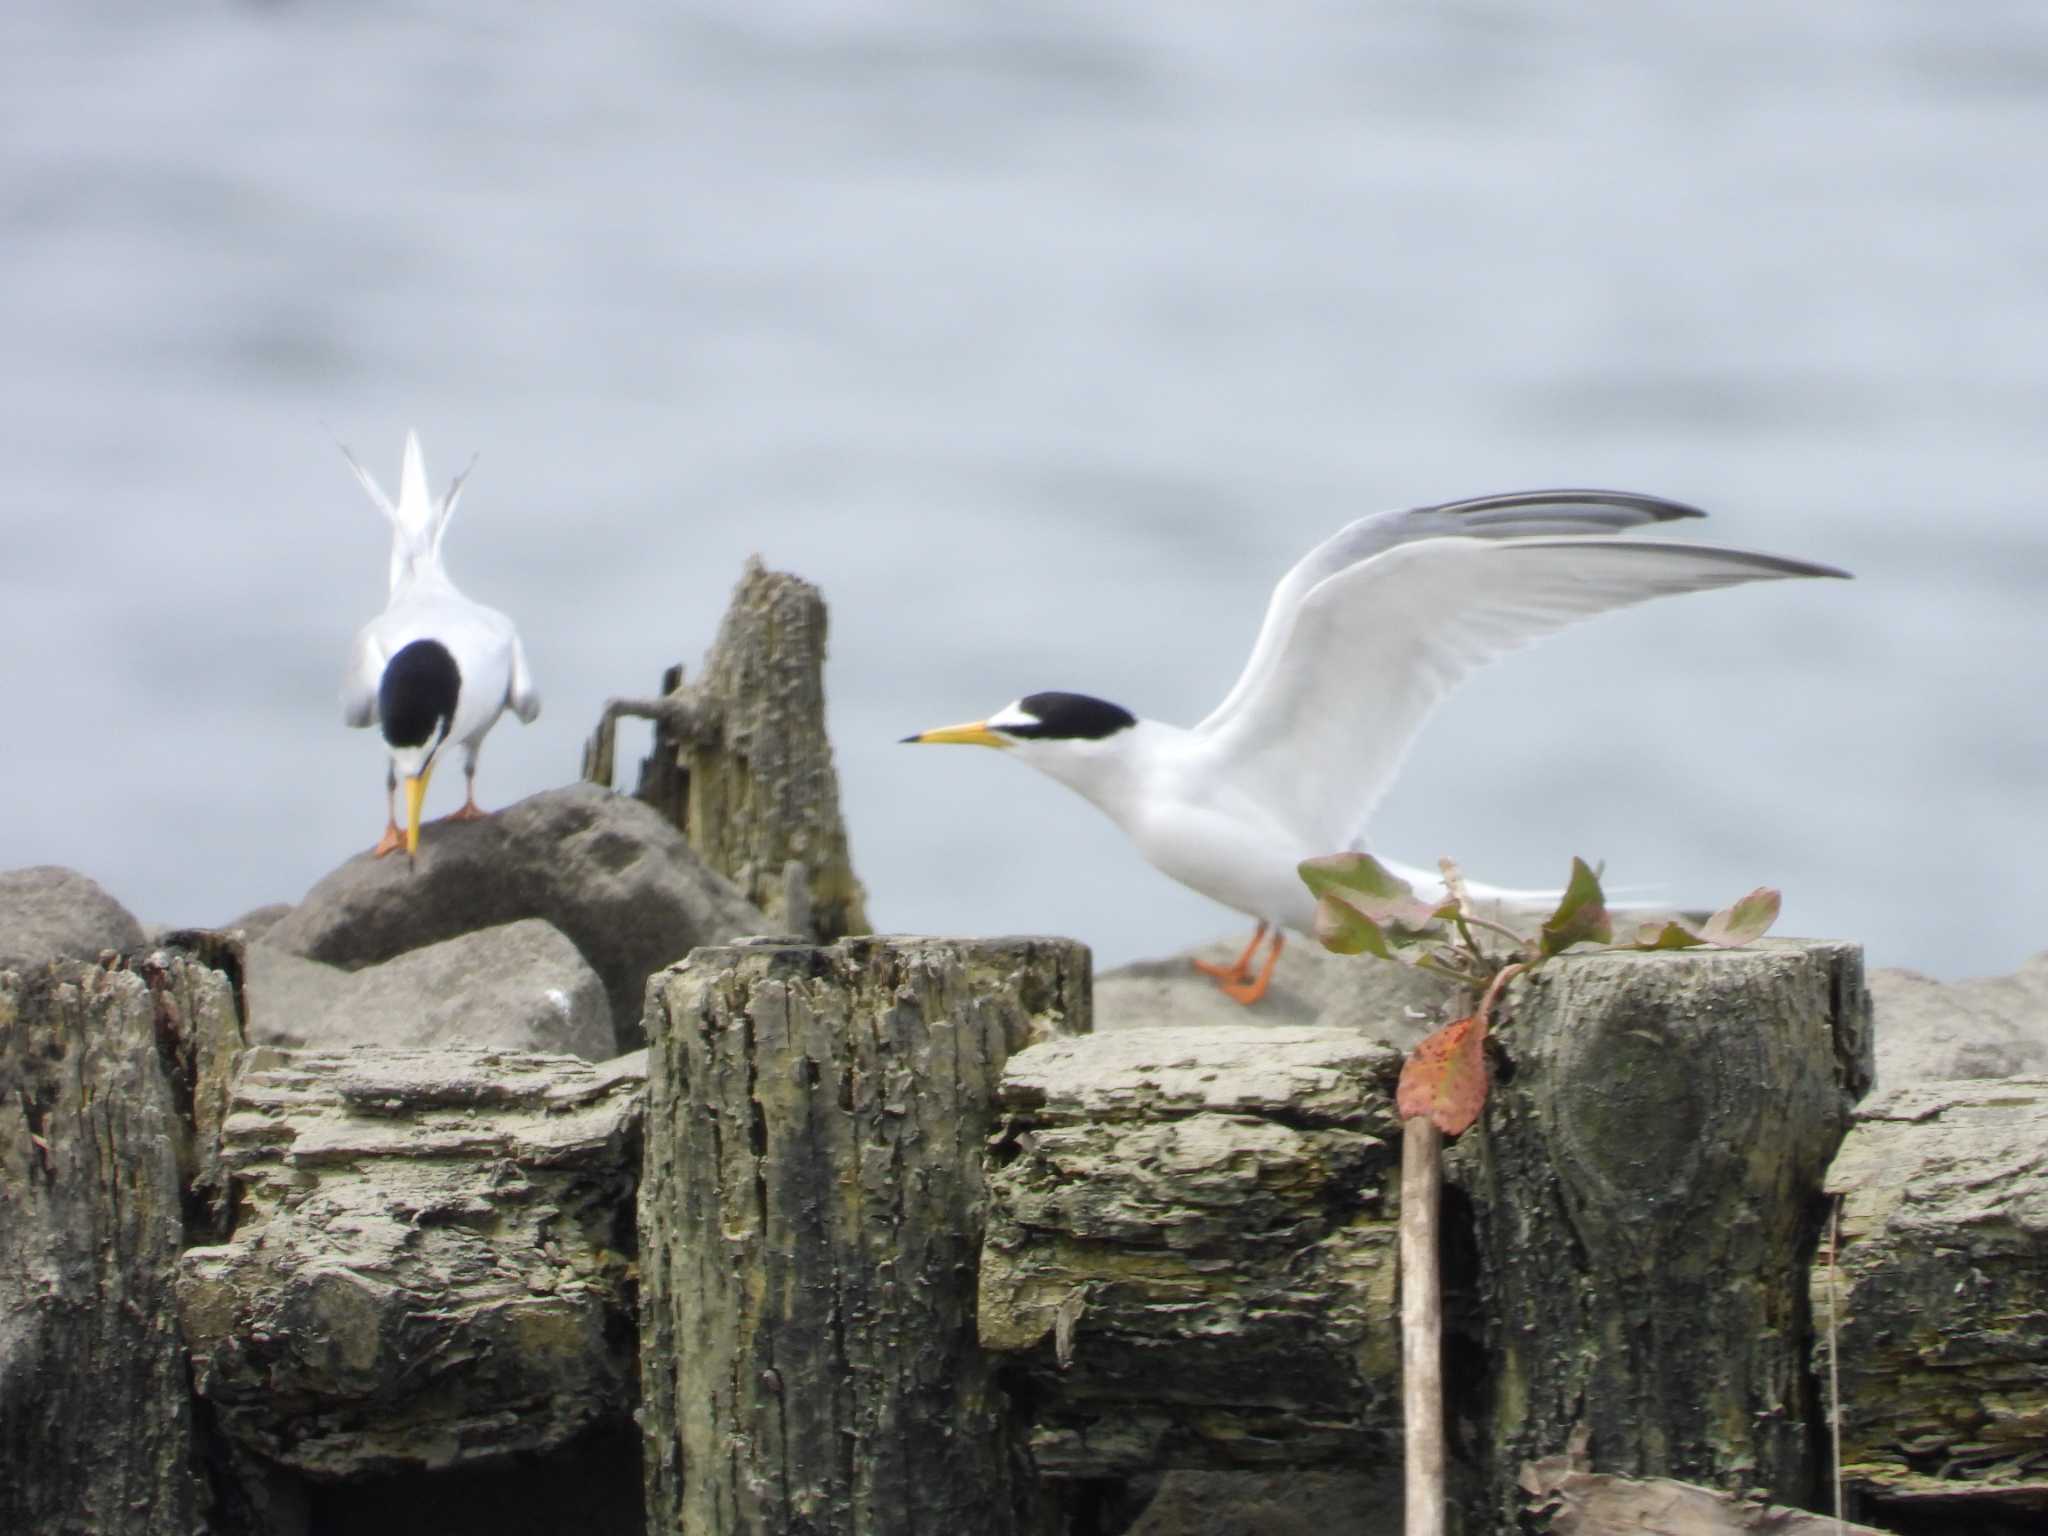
column 1043, row 338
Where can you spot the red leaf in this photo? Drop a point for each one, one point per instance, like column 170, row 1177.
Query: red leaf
column 1445, row 1078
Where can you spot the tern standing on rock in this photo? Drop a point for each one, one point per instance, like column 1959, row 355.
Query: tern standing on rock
column 1361, row 639
column 433, row 667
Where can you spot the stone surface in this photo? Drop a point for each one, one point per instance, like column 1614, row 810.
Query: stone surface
column 1190, row 1250
column 1930, row 1031
column 605, row 869
column 1311, row 986
column 1942, row 1296
column 258, row 921
column 430, row 1263
column 518, row 986
column 51, row 913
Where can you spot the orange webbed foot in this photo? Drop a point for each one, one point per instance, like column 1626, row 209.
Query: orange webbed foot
column 1249, row 992
column 390, row 842
column 1239, row 970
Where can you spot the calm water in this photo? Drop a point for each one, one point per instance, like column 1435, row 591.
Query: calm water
column 1043, row 338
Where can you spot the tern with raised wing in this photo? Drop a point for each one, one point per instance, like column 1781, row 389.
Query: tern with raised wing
column 433, row 668
column 1360, row 640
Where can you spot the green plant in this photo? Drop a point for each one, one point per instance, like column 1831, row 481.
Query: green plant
column 1364, row 908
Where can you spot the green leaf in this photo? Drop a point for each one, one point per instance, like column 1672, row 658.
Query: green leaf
column 1745, row 922
column 1341, row 927
column 1581, row 914
column 1670, row 934
column 1370, row 888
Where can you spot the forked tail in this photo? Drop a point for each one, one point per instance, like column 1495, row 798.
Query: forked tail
column 418, row 522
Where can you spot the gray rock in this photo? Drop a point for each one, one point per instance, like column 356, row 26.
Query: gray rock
column 1395, row 1003
column 518, row 986
column 1931, row 1031
column 258, row 921
column 291, row 1001
column 603, row 868
column 1384, row 1000
column 51, row 913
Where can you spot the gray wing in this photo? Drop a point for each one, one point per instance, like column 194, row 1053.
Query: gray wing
column 1370, row 650
column 1515, row 515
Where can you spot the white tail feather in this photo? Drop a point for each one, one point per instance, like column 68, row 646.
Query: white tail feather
column 418, row 523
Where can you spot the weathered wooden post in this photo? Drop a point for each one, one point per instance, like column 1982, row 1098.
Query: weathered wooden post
column 1646, row 1196
column 114, row 1080
column 811, row 1213
column 741, row 762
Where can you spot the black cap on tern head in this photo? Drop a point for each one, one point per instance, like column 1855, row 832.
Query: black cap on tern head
column 1063, row 717
column 416, row 695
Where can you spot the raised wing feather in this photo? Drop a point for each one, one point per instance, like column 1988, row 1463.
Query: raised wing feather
column 1518, row 514
column 1366, row 652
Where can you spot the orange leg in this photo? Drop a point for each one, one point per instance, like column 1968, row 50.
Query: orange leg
column 393, row 839
column 470, row 810
column 1251, row 992
column 1238, row 969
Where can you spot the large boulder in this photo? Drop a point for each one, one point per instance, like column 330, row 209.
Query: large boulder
column 51, row 913
column 603, row 868
column 516, row 987
column 258, row 921
column 1931, row 1031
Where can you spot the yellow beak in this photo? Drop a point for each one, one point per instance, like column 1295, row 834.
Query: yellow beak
column 974, row 734
column 415, row 792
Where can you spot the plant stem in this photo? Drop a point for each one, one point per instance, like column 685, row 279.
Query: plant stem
column 1499, row 928
column 1438, row 967
column 1422, row 1324
column 1484, row 1012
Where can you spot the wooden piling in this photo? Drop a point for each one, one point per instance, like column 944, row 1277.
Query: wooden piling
column 811, row 1215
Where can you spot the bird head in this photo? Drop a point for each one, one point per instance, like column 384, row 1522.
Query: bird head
column 416, row 707
column 1066, row 735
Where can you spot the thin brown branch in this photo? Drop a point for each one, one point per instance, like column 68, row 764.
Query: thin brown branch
column 1422, row 1322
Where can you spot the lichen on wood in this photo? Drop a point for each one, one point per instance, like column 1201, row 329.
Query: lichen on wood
column 111, row 1077
column 1645, row 1187
column 811, row 1215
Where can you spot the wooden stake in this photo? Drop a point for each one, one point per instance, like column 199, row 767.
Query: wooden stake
column 1422, row 1326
